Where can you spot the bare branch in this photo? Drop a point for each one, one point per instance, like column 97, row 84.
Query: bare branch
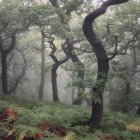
column 41, row 28
column 115, row 51
column 49, row 67
column 134, row 39
column 108, row 28
column 123, row 51
column 37, row 49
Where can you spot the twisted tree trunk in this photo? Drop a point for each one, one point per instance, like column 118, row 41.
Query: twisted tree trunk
column 55, row 67
column 102, row 60
column 75, row 60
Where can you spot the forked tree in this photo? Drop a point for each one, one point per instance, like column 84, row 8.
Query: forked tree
column 74, row 58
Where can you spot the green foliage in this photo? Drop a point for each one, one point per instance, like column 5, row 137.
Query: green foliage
column 11, row 18
column 111, row 121
column 71, row 136
column 96, row 135
column 116, row 125
column 15, row 17
column 39, row 14
column 72, row 6
column 125, row 135
column 3, row 105
column 121, row 70
column 31, row 114
column 66, row 117
column 24, row 129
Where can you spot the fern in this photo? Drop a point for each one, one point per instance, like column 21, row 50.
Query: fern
column 32, row 115
column 3, row 105
column 71, row 136
column 25, row 130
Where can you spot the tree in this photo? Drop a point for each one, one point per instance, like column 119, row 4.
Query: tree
column 69, row 7
column 56, row 65
column 126, row 70
column 12, row 23
column 102, row 59
column 23, row 71
column 41, row 16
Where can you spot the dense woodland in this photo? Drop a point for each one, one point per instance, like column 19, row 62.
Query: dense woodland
column 70, row 70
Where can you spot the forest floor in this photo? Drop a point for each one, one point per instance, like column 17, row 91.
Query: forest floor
column 33, row 120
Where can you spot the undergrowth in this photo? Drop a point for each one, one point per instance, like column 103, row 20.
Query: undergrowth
column 55, row 121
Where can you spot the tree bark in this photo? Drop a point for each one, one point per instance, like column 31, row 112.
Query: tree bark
column 54, row 82
column 103, row 67
column 55, row 67
column 4, row 72
column 102, row 60
column 4, row 54
column 138, row 111
column 54, row 78
column 42, row 79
